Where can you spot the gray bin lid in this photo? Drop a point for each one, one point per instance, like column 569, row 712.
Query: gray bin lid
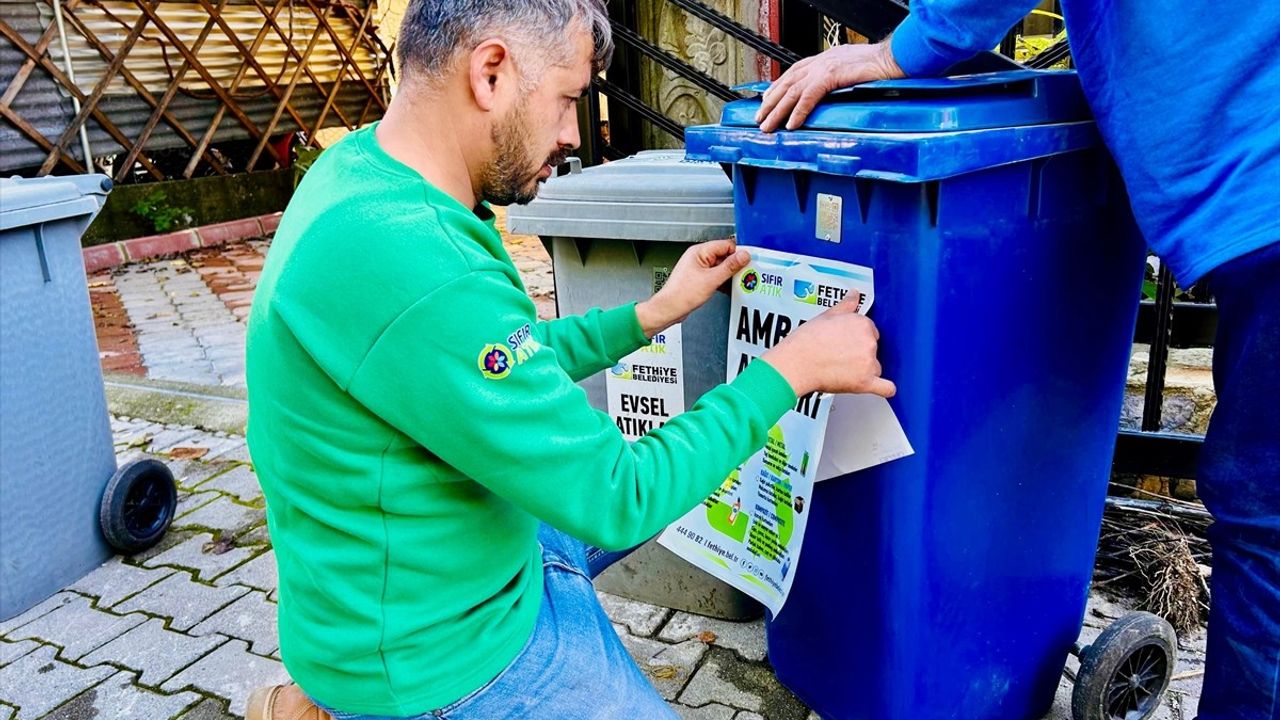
column 32, row 201
column 654, row 195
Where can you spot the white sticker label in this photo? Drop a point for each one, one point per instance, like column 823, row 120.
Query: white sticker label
column 828, row 224
column 749, row 532
column 646, row 388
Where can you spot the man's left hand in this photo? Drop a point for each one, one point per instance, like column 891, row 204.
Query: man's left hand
column 701, row 270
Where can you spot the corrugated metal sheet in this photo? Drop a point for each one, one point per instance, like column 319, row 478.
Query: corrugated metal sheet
column 48, row 108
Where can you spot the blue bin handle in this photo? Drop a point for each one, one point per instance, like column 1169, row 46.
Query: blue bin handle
column 839, row 164
column 724, row 154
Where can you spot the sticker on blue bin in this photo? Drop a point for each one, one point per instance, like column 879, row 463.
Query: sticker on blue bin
column 749, row 532
column 830, row 208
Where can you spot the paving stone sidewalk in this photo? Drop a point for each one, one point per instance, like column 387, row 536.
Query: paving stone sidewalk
column 187, row 629
column 181, row 319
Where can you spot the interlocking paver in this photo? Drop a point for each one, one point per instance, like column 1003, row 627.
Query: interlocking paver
column 10, row 651
column 709, row 686
column 745, row 638
column 640, row 618
column 170, row 438
column 230, row 452
column 231, row 672
column 200, row 553
column 189, row 502
column 183, row 600
column 77, row 628
column 224, row 515
column 259, row 573
column 115, row 580
column 239, row 481
column 154, row 651
column 191, row 473
column 726, row 679
column 119, row 698
column 668, row 667
column 712, row 711
column 38, row 610
column 208, row 709
column 251, row 618
column 39, row 682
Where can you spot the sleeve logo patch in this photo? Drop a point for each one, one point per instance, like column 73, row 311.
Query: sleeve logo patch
column 497, row 359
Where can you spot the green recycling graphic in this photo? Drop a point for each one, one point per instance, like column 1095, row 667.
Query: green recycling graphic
column 749, row 532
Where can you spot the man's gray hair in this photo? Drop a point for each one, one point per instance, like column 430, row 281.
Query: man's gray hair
column 435, row 32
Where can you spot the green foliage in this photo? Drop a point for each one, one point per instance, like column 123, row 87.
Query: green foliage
column 304, row 157
column 154, row 208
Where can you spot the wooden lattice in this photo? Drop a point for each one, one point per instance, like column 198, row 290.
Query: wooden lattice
column 182, row 63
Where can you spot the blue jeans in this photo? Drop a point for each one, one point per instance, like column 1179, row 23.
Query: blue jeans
column 1239, row 481
column 574, row 667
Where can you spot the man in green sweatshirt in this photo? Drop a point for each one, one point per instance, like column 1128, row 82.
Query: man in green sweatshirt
column 439, row 491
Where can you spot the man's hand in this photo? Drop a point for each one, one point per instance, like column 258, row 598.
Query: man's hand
column 804, row 84
column 834, row 352
column 702, row 269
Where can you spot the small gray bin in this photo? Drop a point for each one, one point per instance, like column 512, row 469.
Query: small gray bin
column 56, row 454
column 611, row 229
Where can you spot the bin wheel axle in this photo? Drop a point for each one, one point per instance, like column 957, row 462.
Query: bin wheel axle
column 1124, row 674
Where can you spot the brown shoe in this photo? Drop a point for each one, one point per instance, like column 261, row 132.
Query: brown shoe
column 283, row 702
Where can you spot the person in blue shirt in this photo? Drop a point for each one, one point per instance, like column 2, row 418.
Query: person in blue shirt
column 1187, row 97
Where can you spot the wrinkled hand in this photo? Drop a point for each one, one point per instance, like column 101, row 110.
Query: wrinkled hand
column 804, row 84
column 702, row 269
column 834, row 352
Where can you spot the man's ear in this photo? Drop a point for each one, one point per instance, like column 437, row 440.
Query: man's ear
column 490, row 63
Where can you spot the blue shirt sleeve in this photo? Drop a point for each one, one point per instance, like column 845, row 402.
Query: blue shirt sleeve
column 940, row 33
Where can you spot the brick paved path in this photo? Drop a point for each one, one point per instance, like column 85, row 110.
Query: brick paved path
column 181, row 319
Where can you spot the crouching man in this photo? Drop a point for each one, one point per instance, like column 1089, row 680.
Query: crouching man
column 439, row 491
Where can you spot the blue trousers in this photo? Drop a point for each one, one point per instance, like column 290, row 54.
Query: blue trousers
column 1239, row 481
column 574, row 667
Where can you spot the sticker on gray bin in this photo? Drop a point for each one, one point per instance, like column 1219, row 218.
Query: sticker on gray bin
column 829, row 208
column 646, row 388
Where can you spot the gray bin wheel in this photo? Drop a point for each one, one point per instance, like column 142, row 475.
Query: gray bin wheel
column 138, row 505
column 1125, row 672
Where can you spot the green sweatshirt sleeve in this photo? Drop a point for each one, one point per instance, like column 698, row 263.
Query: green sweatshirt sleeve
column 594, row 341
column 465, row 373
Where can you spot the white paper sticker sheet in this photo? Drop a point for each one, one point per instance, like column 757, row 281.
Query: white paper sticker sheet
column 750, row 530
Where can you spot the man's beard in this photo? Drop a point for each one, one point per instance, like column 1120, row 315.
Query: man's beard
column 508, row 179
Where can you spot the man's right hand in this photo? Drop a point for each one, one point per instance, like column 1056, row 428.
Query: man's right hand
column 804, row 84
column 835, row 352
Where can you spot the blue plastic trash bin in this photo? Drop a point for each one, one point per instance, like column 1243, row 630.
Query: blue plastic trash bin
column 56, row 452
column 953, row 583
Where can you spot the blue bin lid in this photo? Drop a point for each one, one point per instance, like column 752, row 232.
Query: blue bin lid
column 967, row 102
column 32, row 201
column 912, row 130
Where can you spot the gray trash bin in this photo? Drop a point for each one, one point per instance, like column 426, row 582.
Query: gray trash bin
column 613, row 231
column 54, row 429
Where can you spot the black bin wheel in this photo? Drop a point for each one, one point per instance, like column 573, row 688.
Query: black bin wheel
column 1124, row 674
column 138, row 505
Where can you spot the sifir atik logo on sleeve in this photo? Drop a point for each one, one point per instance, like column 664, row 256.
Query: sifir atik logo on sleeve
column 498, row 359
